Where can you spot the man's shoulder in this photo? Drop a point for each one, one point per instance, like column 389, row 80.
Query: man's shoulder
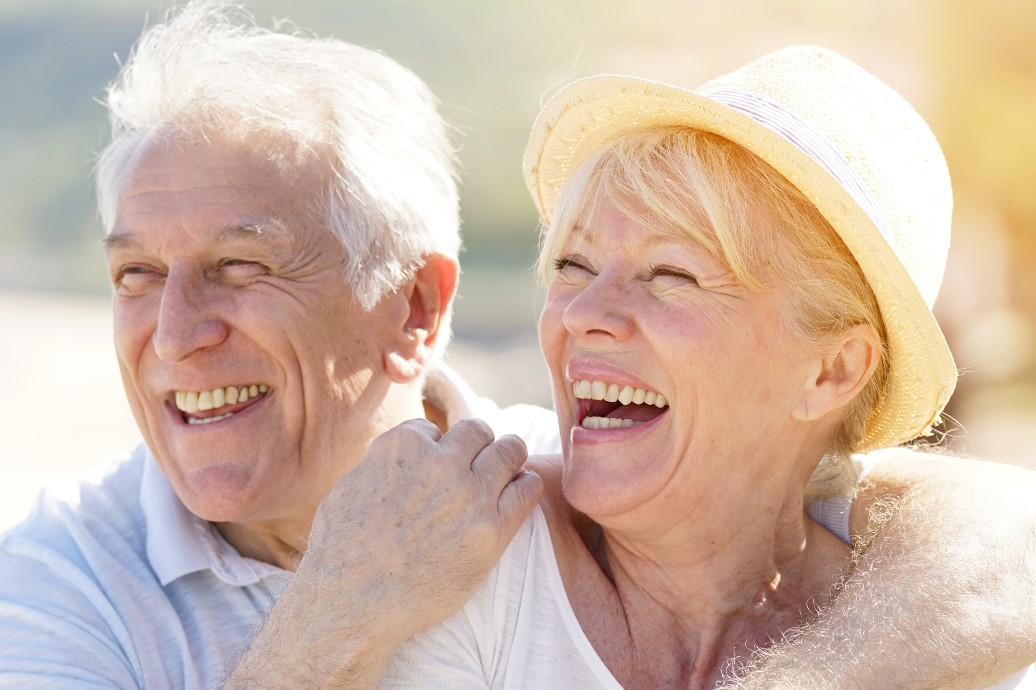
column 76, row 520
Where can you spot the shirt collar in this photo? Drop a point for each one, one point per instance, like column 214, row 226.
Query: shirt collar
column 180, row 543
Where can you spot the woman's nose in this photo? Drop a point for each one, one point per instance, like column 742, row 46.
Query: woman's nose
column 601, row 309
column 187, row 317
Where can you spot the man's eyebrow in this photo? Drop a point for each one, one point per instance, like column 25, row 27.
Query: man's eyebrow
column 117, row 240
column 270, row 232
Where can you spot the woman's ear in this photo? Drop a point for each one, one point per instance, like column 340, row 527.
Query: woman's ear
column 427, row 296
column 839, row 373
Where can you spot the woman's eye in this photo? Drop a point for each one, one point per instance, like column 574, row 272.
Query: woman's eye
column 568, row 263
column 671, row 272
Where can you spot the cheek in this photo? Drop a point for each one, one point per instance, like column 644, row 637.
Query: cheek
column 552, row 329
column 132, row 325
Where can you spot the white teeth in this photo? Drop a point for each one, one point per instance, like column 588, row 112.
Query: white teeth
column 612, row 392
column 200, row 401
column 608, row 423
column 194, row 421
column 626, row 395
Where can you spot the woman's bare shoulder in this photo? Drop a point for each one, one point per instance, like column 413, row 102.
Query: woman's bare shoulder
column 570, row 530
column 550, row 468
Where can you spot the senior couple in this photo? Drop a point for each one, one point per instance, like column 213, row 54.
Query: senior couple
column 739, row 288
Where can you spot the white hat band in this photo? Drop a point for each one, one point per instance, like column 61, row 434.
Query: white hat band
column 778, row 118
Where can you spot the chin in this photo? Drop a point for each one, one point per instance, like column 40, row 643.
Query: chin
column 224, row 493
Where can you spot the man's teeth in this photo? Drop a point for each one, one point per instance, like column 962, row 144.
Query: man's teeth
column 193, row 421
column 612, row 392
column 201, row 401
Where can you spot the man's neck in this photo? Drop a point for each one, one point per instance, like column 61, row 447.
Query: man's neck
column 263, row 545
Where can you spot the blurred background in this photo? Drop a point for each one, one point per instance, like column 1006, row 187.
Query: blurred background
column 969, row 68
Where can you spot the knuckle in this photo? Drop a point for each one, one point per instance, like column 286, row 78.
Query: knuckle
column 476, row 429
column 513, row 447
column 412, row 431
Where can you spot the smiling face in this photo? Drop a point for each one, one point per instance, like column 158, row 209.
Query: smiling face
column 255, row 378
column 637, row 315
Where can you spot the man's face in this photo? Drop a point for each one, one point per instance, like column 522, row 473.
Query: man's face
column 228, row 290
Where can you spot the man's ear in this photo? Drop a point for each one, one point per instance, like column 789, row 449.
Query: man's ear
column 839, row 373
column 427, row 297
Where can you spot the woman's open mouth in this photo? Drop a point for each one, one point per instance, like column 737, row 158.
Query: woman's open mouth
column 604, row 405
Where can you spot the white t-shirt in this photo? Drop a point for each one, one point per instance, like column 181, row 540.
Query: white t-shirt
column 519, row 631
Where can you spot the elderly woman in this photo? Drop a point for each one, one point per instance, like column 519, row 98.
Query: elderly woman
column 739, row 289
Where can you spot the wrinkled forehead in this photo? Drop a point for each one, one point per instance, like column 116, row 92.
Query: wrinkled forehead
column 171, row 155
column 203, row 187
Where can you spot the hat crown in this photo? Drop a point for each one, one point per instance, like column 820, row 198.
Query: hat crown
column 882, row 142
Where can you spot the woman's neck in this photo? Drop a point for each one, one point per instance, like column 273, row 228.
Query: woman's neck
column 691, row 599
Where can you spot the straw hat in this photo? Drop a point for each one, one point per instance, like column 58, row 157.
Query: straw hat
column 851, row 144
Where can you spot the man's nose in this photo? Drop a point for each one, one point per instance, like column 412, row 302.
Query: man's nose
column 188, row 318
column 602, row 308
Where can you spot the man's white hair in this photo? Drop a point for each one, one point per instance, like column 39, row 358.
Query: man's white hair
column 391, row 195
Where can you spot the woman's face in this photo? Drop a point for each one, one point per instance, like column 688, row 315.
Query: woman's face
column 635, row 314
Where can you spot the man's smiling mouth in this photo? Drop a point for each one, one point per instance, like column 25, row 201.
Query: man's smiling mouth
column 200, row 407
column 605, row 405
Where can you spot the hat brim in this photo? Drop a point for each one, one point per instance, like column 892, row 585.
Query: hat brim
column 590, row 113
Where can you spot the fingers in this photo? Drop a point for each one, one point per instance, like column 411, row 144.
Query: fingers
column 497, row 469
column 493, row 462
column 422, row 427
column 517, row 500
column 468, row 447
column 498, row 462
column 467, row 436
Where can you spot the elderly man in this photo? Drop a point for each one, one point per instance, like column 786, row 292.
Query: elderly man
column 281, row 220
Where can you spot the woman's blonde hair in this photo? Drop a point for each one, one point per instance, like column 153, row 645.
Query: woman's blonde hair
column 701, row 187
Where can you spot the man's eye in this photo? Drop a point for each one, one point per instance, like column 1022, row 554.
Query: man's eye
column 131, row 279
column 240, row 270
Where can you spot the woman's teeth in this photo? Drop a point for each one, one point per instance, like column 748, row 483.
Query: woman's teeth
column 607, row 423
column 612, row 392
column 201, row 401
column 623, row 396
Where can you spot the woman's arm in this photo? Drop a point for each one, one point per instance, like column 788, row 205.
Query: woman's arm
column 943, row 592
